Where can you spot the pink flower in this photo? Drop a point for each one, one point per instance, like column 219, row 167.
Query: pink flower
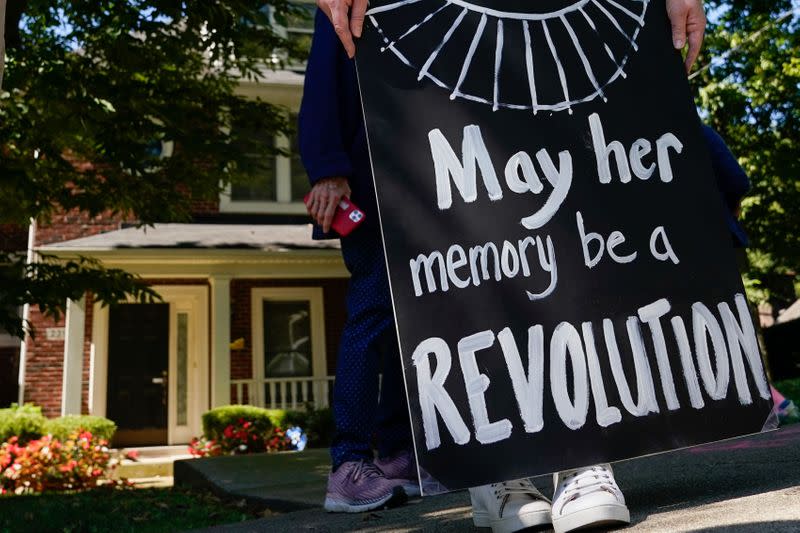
column 70, row 466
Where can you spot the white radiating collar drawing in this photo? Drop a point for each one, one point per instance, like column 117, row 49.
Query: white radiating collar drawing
column 580, row 49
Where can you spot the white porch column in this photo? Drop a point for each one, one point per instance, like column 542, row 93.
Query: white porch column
column 220, row 340
column 73, row 357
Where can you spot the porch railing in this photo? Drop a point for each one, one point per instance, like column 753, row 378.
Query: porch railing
column 283, row 393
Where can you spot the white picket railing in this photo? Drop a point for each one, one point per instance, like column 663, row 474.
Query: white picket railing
column 283, row 393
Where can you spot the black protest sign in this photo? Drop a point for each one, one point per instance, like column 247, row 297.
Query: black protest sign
column 563, row 278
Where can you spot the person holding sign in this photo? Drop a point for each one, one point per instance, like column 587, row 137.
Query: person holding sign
column 334, row 151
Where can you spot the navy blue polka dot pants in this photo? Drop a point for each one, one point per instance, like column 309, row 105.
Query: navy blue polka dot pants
column 368, row 347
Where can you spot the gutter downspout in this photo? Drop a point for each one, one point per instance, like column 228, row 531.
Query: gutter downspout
column 26, row 311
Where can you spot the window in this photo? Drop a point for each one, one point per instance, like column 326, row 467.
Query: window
column 287, row 338
column 281, row 181
column 288, row 327
column 182, row 362
column 279, row 186
column 299, row 29
column 159, row 149
column 263, row 187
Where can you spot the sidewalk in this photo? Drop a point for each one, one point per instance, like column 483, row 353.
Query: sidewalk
column 745, row 485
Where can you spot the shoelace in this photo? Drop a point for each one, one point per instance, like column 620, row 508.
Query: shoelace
column 505, row 490
column 519, row 486
column 587, row 481
column 365, row 469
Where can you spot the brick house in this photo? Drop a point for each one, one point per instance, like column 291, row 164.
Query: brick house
column 252, row 307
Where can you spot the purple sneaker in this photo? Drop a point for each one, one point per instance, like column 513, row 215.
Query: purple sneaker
column 358, row 486
column 401, row 467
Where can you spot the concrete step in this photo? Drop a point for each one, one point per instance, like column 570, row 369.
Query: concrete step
column 158, row 452
column 284, row 482
column 136, row 469
column 151, row 461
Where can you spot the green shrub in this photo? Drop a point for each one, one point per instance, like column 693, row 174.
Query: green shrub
column 25, row 422
column 216, row 420
column 316, row 423
column 27, row 408
column 320, row 428
column 790, row 388
column 65, row 426
column 277, row 417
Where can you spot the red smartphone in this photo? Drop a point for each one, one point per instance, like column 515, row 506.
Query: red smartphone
column 346, row 218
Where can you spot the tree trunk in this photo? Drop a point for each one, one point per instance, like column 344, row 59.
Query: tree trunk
column 2, row 40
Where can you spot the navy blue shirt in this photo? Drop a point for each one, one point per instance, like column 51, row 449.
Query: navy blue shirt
column 732, row 182
column 333, row 140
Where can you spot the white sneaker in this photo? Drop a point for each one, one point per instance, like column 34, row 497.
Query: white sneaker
column 587, row 497
column 509, row 506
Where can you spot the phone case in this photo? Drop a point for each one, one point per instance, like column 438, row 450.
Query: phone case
column 346, row 218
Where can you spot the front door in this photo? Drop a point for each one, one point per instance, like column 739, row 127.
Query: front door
column 138, row 360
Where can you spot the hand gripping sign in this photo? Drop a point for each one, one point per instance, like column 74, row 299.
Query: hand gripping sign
column 564, row 284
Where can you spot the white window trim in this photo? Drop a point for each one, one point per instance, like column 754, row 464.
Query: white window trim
column 283, row 190
column 314, row 295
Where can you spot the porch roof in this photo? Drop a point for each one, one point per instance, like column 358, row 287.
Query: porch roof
column 269, row 238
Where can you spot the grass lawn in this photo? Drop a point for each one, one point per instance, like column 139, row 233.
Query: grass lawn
column 790, row 388
column 150, row 510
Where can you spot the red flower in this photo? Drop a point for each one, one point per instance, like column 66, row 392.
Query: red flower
column 46, row 464
column 132, row 455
